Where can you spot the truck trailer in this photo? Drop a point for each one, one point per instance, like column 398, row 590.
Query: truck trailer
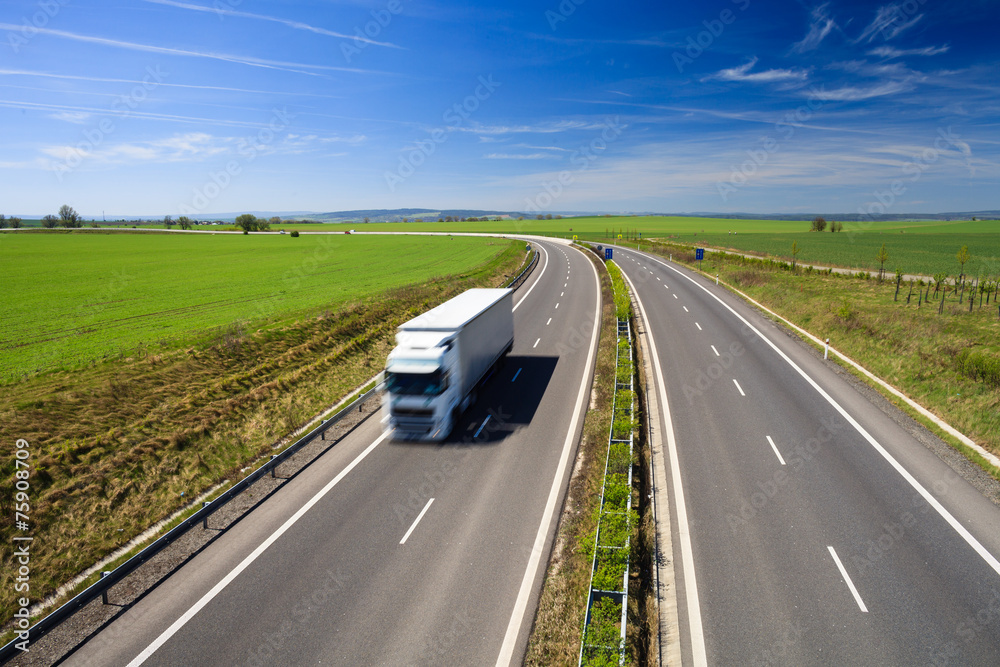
column 440, row 360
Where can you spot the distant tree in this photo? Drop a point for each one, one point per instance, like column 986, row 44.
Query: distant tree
column 520, row 217
column 50, row 221
column 14, row 222
column 264, row 225
column 168, row 221
column 548, row 216
column 539, row 217
column 184, row 222
column 882, row 256
column 795, row 252
column 440, row 219
column 962, row 257
column 819, row 224
column 3, row 221
column 247, row 222
column 558, row 217
column 367, row 220
column 406, row 219
column 69, row 217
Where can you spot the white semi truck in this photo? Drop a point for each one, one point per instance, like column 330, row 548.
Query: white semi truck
column 440, row 359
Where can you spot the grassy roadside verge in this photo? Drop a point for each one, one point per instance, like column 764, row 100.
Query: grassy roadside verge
column 555, row 634
column 558, row 625
column 118, row 446
column 944, row 358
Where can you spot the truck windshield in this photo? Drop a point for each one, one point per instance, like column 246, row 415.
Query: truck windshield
column 416, row 384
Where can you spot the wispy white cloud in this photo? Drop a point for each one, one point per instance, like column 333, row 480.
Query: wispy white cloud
column 298, row 68
column 220, row 10
column 743, row 74
column 890, row 21
column 820, row 26
column 101, row 79
column 519, row 156
column 856, row 93
column 178, row 148
column 891, row 52
column 75, row 117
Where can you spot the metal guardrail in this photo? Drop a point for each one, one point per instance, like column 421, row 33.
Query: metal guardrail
column 521, row 277
column 620, row 597
column 101, row 586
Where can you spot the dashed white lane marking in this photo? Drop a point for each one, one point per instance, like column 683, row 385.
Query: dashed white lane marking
column 738, row 387
column 716, row 351
column 420, row 516
column 549, row 322
column 847, row 579
column 536, row 343
column 776, row 452
column 698, row 325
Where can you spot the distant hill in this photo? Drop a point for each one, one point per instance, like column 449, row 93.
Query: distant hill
column 397, row 215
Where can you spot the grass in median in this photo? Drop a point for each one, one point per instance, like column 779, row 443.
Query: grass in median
column 943, row 358
column 119, row 445
column 555, row 635
column 74, row 298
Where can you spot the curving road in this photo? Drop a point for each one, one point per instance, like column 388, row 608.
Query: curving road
column 809, row 526
column 390, row 553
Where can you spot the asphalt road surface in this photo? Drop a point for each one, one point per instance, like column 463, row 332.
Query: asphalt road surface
column 385, row 553
column 814, row 528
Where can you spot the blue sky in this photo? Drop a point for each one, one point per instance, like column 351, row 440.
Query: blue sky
column 197, row 107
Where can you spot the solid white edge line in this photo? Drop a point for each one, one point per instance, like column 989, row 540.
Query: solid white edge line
column 416, row 521
column 235, row 572
column 695, row 630
column 537, row 280
column 904, row 473
column 847, row 579
column 739, row 387
column 521, row 604
column 775, row 448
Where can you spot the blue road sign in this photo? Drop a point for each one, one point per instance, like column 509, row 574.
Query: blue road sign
column 699, row 253
column 607, row 253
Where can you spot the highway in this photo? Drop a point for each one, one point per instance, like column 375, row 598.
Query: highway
column 813, row 527
column 397, row 553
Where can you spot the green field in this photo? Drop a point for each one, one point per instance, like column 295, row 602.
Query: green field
column 921, row 247
column 80, row 297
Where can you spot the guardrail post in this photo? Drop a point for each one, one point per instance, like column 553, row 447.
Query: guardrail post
column 322, row 435
column 104, row 595
column 204, row 519
column 273, row 466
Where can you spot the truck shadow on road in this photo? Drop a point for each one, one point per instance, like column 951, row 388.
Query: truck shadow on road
column 507, row 402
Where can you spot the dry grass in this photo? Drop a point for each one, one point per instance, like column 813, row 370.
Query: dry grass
column 555, row 636
column 118, row 446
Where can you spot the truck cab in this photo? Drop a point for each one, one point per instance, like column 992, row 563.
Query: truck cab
column 422, row 380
